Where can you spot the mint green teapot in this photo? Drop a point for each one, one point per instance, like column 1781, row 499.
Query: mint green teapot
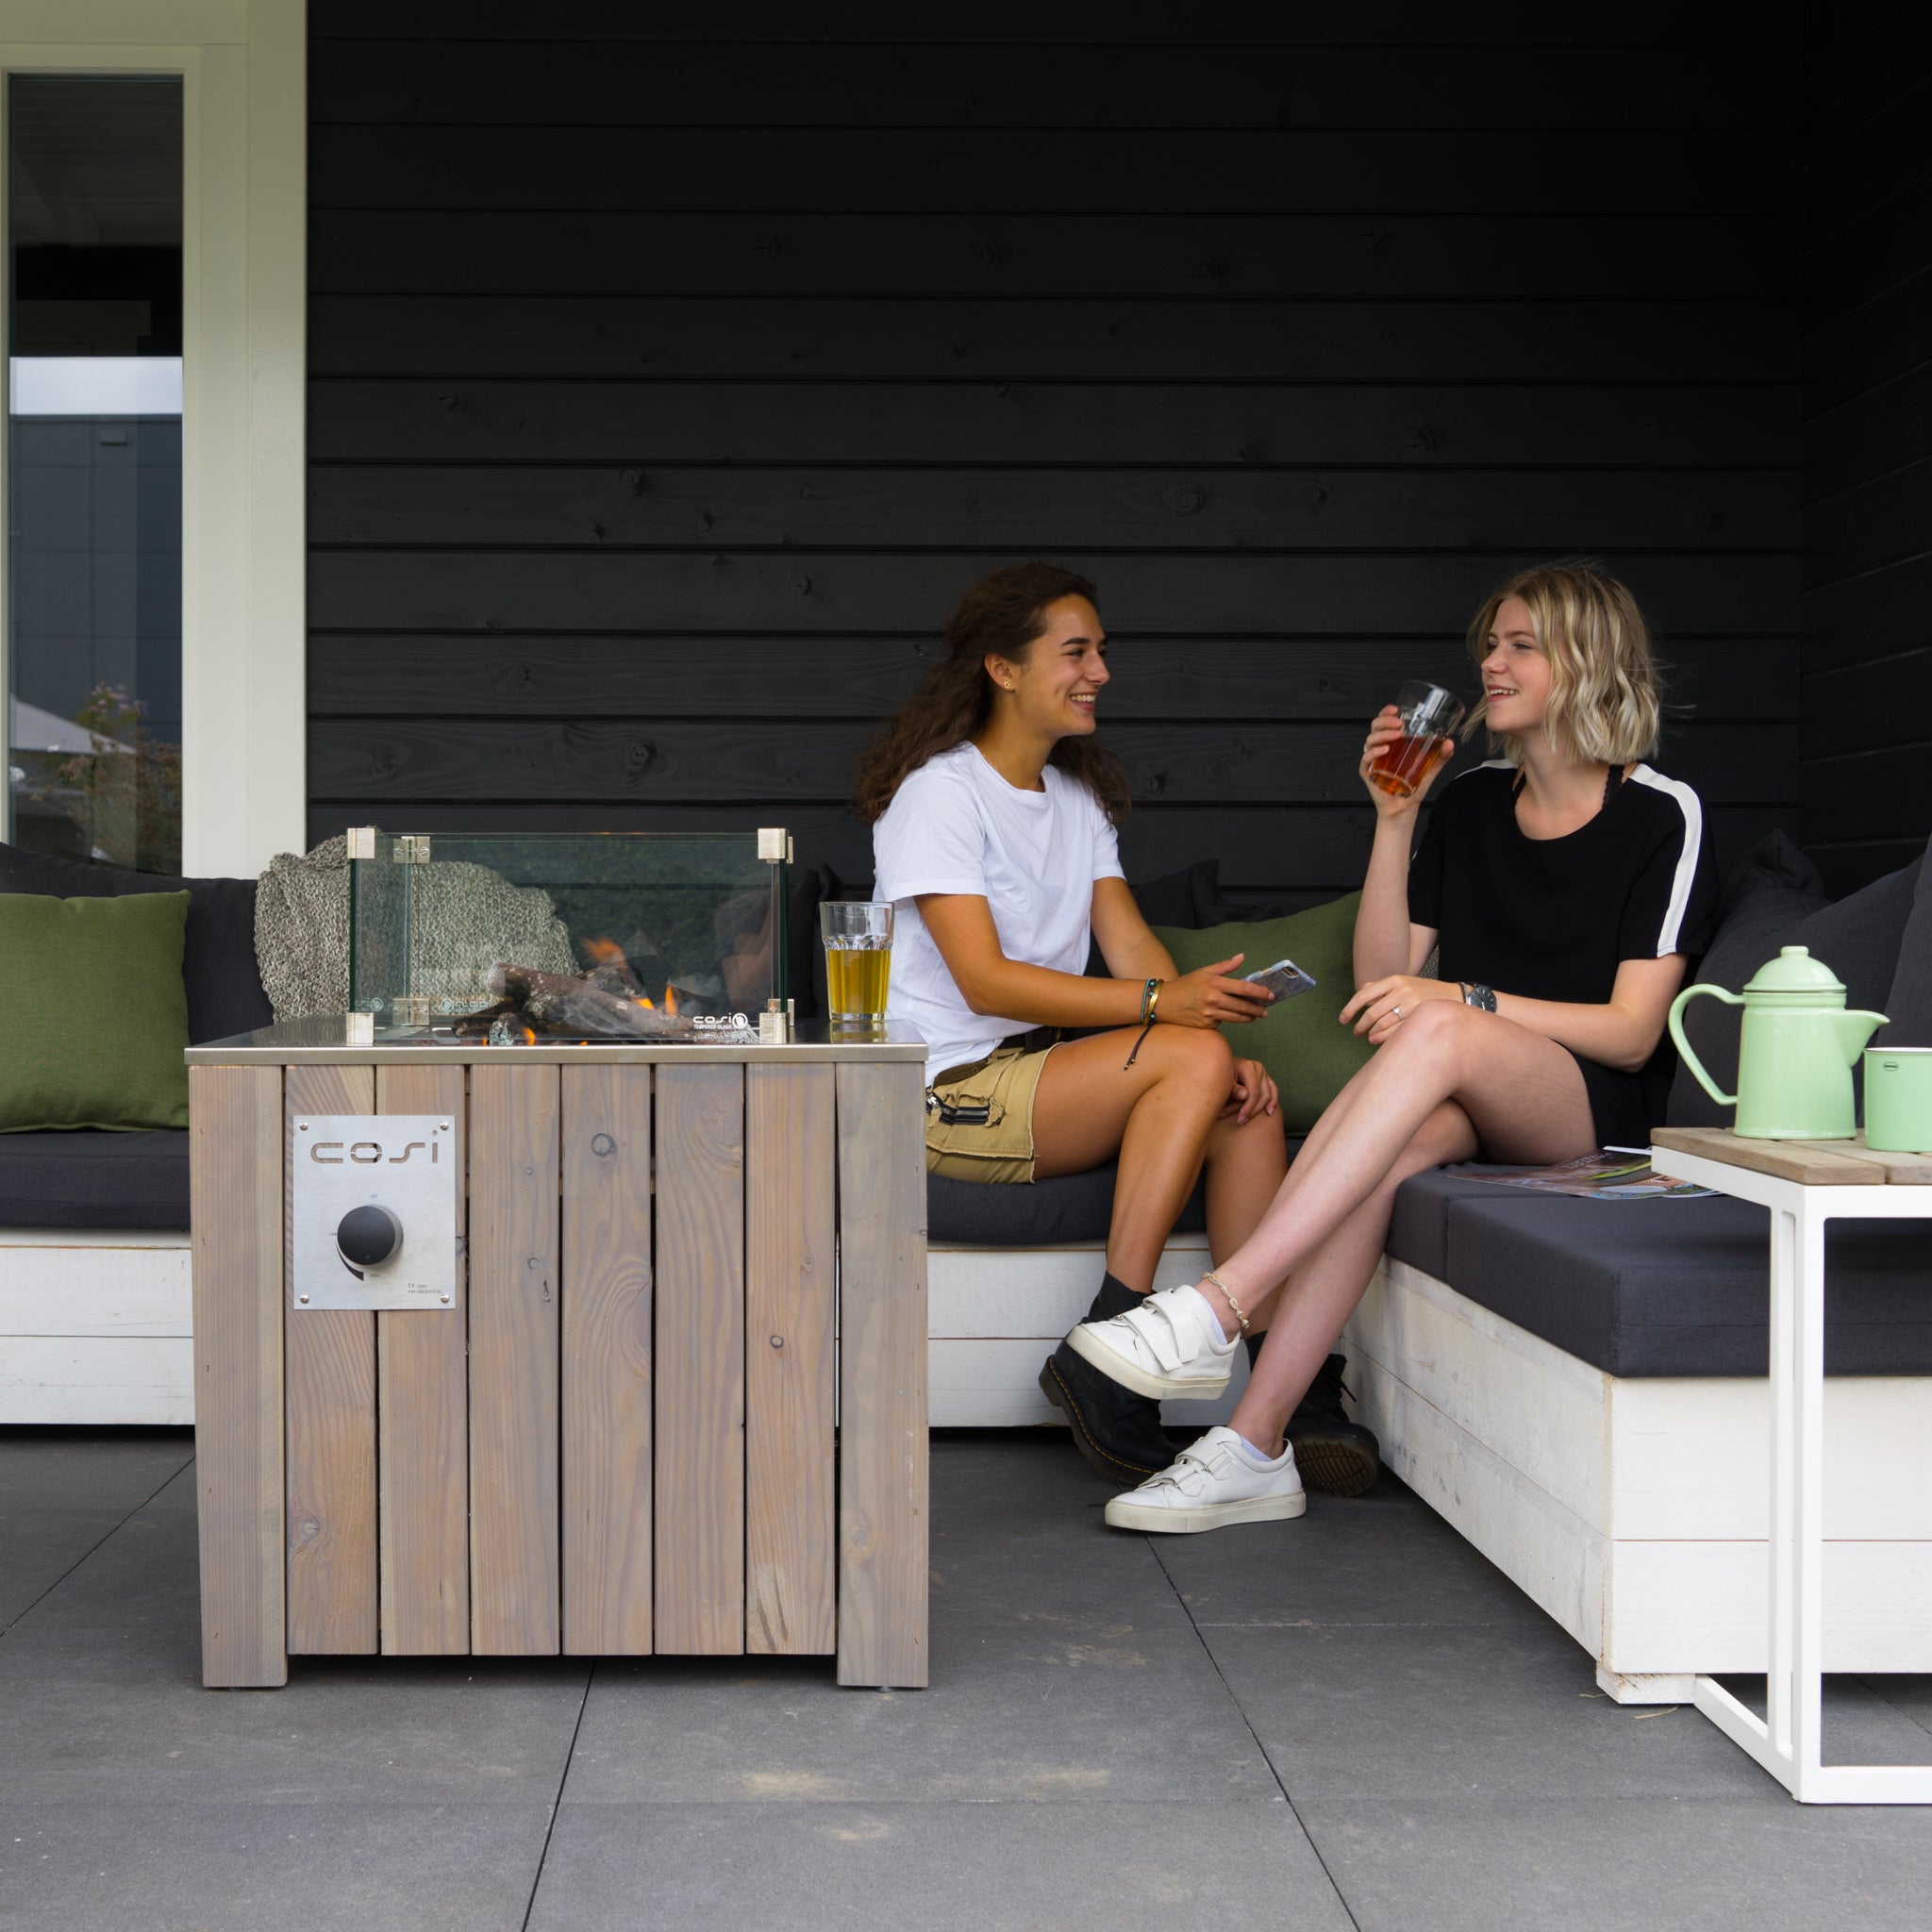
column 1796, row 1052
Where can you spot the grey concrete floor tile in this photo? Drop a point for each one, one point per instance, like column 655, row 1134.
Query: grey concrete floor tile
column 1626, row 1865
column 92, row 1469
column 39, row 1544
column 1494, row 1710
column 1861, row 1724
column 927, row 1868
column 1912, row 1696
column 1015, row 1711
column 1381, row 1558
column 140, row 1867
column 101, row 1697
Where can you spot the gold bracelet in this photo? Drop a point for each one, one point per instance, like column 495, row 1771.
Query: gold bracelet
column 1229, row 1299
column 1153, row 1001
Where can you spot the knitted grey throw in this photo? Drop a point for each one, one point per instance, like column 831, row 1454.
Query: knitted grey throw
column 463, row 920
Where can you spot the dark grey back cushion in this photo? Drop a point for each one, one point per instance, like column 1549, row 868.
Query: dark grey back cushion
column 1860, row 938
column 90, row 1179
column 217, row 966
column 1909, row 1002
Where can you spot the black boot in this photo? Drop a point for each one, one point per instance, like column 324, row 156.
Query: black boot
column 1335, row 1455
column 1116, row 1430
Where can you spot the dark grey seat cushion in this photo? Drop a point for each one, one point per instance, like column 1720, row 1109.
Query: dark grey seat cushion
column 1683, row 1288
column 218, row 967
column 86, row 1179
column 1070, row 1207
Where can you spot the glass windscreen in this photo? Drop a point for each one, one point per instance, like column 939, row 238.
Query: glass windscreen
column 626, row 936
column 92, row 653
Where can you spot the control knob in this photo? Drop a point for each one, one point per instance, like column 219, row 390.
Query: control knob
column 367, row 1237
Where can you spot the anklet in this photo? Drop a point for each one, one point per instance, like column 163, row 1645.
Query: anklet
column 1216, row 1279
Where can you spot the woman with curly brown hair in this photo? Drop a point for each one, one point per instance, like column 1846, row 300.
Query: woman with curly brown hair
column 994, row 819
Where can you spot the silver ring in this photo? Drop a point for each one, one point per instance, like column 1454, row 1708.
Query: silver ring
column 1398, row 1012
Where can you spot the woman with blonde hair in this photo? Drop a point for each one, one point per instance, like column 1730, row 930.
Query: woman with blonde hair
column 1567, row 885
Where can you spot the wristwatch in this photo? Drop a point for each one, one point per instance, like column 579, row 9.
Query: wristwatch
column 1477, row 995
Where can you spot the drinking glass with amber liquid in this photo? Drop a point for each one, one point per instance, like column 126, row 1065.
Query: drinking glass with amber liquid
column 858, row 961
column 1430, row 717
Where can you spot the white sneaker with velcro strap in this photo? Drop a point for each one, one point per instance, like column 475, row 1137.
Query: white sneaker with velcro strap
column 1214, row 1482
column 1171, row 1345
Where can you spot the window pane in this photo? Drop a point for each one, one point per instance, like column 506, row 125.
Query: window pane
column 93, row 467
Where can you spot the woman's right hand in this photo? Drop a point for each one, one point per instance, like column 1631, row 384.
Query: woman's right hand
column 1211, row 996
column 1384, row 729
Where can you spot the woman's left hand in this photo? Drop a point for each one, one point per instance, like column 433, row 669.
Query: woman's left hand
column 1253, row 1092
column 1382, row 1004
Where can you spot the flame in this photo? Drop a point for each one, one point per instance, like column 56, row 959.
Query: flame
column 670, row 1001
column 530, row 1038
column 641, row 1001
column 601, row 952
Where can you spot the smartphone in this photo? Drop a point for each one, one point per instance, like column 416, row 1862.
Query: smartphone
column 1283, row 979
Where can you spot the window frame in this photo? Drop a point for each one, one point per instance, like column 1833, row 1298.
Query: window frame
column 244, row 69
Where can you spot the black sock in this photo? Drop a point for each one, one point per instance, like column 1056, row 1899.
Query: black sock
column 1115, row 1298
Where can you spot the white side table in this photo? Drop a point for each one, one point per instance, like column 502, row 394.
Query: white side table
column 1804, row 1184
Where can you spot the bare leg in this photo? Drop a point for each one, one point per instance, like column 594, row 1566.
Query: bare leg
column 1161, row 1116
column 1307, row 1313
column 1518, row 1095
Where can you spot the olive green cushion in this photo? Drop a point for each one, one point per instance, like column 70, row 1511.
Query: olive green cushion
column 1309, row 1053
column 93, row 1014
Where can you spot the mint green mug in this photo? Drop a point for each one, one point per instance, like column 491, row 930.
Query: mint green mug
column 1898, row 1099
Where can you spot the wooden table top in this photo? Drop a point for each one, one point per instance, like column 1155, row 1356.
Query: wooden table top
column 1818, row 1163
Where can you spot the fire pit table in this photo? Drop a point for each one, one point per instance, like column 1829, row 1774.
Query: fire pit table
column 577, row 1345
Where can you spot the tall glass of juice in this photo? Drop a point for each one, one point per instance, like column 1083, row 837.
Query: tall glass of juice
column 1430, row 717
column 858, row 961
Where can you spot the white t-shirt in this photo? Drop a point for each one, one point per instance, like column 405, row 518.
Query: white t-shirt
column 956, row 826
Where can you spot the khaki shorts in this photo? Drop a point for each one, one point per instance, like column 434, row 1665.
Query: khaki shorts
column 1001, row 1148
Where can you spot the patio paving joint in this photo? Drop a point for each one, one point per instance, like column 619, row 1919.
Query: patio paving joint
column 1273, row 1772
column 26, row 1609
column 556, row 1803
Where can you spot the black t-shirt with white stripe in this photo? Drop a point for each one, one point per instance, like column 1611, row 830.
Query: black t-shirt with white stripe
column 1552, row 919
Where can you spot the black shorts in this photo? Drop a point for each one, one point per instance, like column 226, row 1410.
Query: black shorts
column 1624, row 1107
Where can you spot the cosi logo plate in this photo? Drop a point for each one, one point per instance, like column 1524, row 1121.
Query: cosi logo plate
column 409, row 1164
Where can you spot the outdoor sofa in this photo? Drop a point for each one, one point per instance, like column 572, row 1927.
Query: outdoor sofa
column 1578, row 1387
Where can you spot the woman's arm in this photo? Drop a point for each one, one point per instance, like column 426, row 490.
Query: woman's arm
column 1386, row 942
column 1125, row 939
column 1623, row 1033
column 962, row 927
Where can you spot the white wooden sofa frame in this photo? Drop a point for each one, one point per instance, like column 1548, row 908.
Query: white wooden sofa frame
column 1631, row 1510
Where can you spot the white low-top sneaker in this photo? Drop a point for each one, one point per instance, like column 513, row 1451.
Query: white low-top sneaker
column 1170, row 1345
column 1214, row 1482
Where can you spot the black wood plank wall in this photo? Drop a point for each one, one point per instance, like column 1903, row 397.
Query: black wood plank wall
column 667, row 389
column 1867, row 522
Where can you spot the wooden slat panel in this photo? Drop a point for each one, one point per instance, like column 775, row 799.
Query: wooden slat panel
column 235, row 1182
column 513, row 1361
column 680, row 761
column 441, row 590
column 1862, row 794
column 331, row 1428
column 791, row 1536
column 1020, row 507
column 1245, row 25
column 423, row 1420
column 1292, row 848
column 1020, row 253
column 883, row 1524
column 699, row 1485
column 1450, row 412
column 607, row 1361
column 1272, row 679
column 1483, row 169
column 547, row 82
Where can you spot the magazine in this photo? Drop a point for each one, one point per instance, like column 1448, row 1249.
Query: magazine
column 1611, row 1174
